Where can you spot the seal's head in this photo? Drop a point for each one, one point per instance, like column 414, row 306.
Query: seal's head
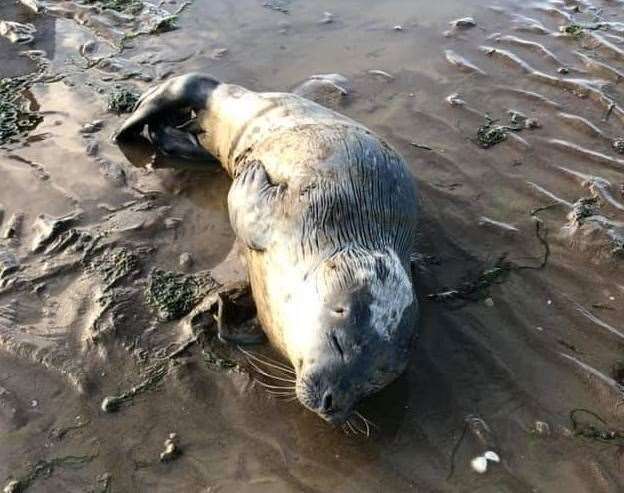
column 353, row 336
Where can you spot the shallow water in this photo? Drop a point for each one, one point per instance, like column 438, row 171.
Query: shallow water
column 534, row 346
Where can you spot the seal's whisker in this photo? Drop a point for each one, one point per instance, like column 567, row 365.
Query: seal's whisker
column 267, row 360
column 358, row 429
column 278, row 387
column 289, row 394
column 266, row 374
column 366, row 420
column 353, row 430
column 272, row 363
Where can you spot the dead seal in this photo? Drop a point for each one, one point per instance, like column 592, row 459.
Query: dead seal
column 327, row 212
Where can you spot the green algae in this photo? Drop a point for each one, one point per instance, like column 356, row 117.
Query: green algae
column 122, row 100
column 585, row 207
column 492, row 133
column 218, row 363
column 173, row 295
column 115, row 265
column 597, row 432
column 131, row 7
column 575, row 30
column 618, row 145
column 15, row 118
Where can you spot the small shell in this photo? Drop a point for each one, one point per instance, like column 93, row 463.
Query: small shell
column 493, row 456
column 479, row 464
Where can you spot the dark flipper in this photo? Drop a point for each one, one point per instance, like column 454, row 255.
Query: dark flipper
column 172, row 141
column 236, row 317
column 233, row 311
column 164, row 108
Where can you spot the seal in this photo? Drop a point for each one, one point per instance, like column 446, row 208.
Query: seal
column 327, row 213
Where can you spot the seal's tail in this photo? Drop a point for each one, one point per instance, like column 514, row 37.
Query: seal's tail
column 163, row 108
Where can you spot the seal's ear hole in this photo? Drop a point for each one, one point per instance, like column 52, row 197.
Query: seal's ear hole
column 300, row 363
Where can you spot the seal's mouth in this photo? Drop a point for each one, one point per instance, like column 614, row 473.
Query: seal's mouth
column 334, row 418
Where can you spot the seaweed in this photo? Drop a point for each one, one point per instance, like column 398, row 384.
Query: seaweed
column 112, row 403
column 575, row 30
column 114, row 265
column 478, row 289
column 595, row 432
column 157, row 26
column 492, row 133
column 218, row 363
column 15, row 118
column 618, row 145
column 277, row 5
column 131, row 7
column 174, row 295
column 60, row 432
column 122, row 100
column 583, row 208
column 44, row 469
column 163, row 25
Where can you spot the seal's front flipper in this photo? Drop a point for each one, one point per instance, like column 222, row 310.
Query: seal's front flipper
column 236, row 317
column 168, row 105
column 251, row 204
column 232, row 310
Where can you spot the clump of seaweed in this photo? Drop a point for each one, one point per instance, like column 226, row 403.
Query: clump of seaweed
column 174, row 295
column 163, row 25
column 131, row 7
column 592, row 431
column 476, row 289
column 578, row 30
column 115, row 265
column 618, row 145
column 218, row 363
column 583, row 208
column 492, row 133
column 15, row 118
column 122, row 100
column 277, row 5
column 575, row 30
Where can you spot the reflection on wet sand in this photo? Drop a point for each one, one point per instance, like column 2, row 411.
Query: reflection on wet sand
column 501, row 370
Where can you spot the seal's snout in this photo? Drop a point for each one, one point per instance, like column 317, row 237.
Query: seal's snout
column 326, row 398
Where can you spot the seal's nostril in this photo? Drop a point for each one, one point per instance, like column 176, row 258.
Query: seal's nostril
column 327, row 402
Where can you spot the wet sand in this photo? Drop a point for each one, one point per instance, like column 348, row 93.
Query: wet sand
column 504, row 357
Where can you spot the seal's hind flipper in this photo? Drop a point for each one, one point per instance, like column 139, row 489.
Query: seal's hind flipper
column 172, row 141
column 251, row 204
column 167, row 102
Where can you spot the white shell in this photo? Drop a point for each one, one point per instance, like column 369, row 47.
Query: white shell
column 479, row 464
column 493, row 456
